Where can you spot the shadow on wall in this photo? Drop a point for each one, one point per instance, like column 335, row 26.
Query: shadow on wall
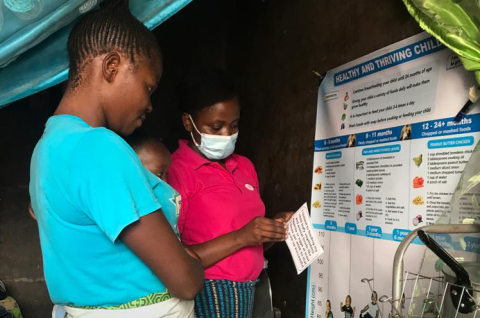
column 21, row 268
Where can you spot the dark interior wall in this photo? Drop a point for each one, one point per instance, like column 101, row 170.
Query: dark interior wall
column 272, row 47
column 195, row 37
column 21, row 268
column 275, row 46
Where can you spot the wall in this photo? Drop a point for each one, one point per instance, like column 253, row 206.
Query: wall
column 275, row 46
column 21, row 268
column 197, row 36
column 272, row 47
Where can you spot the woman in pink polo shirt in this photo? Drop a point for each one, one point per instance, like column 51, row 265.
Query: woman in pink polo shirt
column 222, row 213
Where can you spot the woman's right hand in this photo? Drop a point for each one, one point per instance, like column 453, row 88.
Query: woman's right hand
column 30, row 211
column 262, row 230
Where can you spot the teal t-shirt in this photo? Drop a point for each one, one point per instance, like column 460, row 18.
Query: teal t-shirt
column 171, row 201
column 86, row 186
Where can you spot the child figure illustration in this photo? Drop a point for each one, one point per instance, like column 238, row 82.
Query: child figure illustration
column 347, row 308
column 328, row 312
column 371, row 310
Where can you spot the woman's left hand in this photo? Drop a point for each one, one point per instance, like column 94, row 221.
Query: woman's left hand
column 283, row 216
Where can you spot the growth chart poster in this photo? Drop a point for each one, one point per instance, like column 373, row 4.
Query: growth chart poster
column 388, row 156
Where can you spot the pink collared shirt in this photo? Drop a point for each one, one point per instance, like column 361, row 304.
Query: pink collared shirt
column 216, row 201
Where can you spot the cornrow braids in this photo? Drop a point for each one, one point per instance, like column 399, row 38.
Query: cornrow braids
column 113, row 27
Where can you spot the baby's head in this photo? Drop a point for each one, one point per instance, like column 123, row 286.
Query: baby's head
column 153, row 154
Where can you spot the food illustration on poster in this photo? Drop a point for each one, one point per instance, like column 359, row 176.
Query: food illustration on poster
column 389, row 167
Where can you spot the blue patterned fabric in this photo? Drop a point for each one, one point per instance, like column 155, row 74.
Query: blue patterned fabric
column 33, row 39
column 225, row 299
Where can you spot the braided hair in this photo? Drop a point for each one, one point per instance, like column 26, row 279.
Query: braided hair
column 113, row 27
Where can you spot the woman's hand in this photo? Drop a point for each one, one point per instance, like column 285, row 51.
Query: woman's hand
column 262, row 230
column 30, row 211
column 283, row 216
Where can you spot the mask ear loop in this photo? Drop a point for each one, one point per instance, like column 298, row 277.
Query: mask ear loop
column 191, row 133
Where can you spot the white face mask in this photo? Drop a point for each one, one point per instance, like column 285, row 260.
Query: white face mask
column 215, row 147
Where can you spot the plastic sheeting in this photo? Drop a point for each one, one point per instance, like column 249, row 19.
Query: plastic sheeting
column 453, row 22
column 33, row 39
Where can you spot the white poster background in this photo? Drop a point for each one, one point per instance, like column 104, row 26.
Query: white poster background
column 302, row 240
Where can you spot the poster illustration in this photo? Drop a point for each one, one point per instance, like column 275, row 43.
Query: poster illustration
column 388, row 156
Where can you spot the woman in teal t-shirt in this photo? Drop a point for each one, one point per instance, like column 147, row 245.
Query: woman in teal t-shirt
column 157, row 159
column 108, row 249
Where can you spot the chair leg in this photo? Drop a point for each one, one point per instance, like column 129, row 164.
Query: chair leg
column 277, row 313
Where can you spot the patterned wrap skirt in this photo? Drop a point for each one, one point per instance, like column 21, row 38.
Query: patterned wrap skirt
column 225, row 299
